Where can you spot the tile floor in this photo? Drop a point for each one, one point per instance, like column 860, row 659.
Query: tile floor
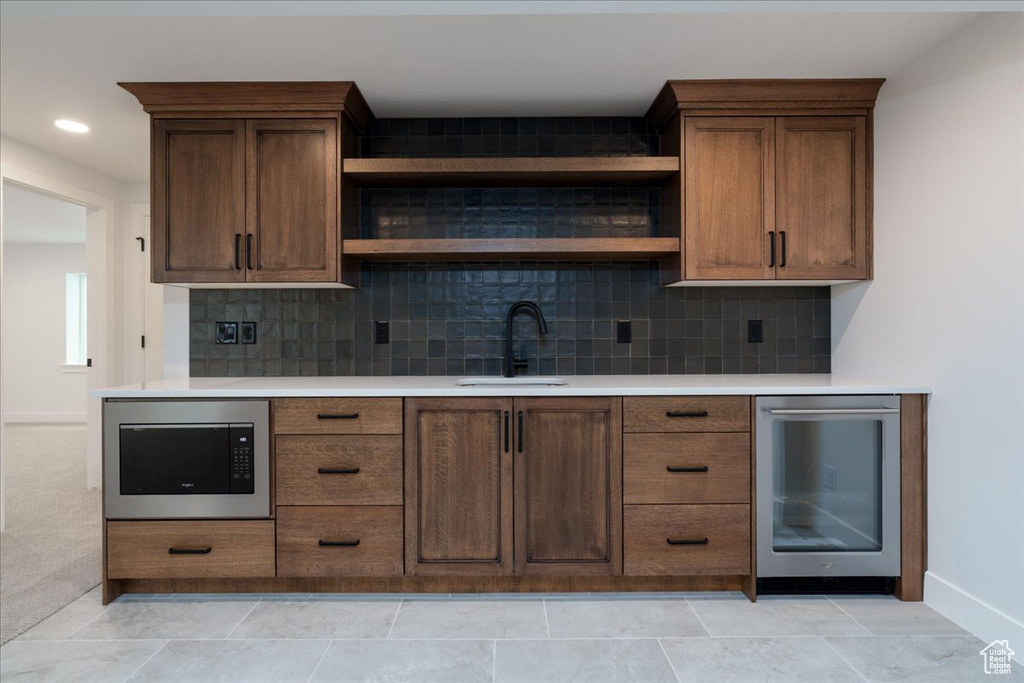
column 644, row 638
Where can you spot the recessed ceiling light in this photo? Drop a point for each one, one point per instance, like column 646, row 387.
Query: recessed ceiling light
column 71, row 126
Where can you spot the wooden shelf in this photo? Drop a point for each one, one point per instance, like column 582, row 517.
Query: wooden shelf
column 513, row 249
column 510, row 171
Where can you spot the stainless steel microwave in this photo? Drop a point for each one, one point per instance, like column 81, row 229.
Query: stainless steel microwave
column 180, row 459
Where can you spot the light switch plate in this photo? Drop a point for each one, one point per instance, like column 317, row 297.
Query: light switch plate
column 225, row 333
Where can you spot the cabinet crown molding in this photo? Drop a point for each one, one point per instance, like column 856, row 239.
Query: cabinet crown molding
column 774, row 93
column 236, row 97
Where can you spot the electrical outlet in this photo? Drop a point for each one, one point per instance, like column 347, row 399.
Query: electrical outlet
column 225, row 333
column 249, row 333
column 829, row 475
column 381, row 332
column 624, row 331
column 755, row 331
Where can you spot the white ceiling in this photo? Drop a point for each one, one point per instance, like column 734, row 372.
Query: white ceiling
column 32, row 217
column 63, row 59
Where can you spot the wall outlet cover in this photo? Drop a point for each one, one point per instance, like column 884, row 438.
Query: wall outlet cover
column 624, row 331
column 381, row 332
column 248, row 333
column 755, row 331
column 225, row 333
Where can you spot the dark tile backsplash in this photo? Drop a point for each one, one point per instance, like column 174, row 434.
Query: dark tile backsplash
column 447, row 319
column 516, row 137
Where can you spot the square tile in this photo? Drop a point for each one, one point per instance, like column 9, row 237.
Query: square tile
column 166, row 619
column 471, row 619
column 801, row 616
column 586, row 661
column 923, row 659
column 74, row 661
column 244, row 661
column 423, row 661
column 750, row 660
column 887, row 616
column 328, row 619
column 599, row 618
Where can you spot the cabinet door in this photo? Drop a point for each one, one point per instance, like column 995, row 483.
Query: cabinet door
column 458, row 486
column 292, row 200
column 729, row 198
column 198, row 200
column 821, row 197
column 569, row 486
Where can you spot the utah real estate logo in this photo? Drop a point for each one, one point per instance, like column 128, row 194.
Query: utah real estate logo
column 997, row 657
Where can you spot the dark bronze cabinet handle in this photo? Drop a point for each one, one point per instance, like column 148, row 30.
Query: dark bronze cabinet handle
column 189, row 551
column 703, row 468
column 238, row 251
column 338, row 470
column 519, row 445
column 782, row 236
column 342, row 416
column 771, row 249
column 338, row 544
column 686, row 541
column 506, row 431
column 686, row 413
column 248, row 251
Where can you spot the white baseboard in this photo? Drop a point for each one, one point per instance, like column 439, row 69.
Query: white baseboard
column 981, row 619
column 44, row 417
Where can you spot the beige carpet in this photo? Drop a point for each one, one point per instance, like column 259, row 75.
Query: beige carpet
column 50, row 549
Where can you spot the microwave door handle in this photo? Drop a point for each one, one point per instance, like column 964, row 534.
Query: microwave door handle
column 834, row 411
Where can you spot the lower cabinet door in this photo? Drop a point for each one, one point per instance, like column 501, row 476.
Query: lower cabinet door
column 350, row 540
column 568, row 488
column 687, row 540
column 190, row 549
column 458, row 486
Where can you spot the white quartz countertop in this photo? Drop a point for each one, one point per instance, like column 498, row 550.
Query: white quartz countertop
column 578, row 385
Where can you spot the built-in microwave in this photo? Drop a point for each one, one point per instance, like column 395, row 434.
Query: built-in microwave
column 179, row 459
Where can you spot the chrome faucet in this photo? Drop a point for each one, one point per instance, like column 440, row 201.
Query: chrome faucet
column 510, row 362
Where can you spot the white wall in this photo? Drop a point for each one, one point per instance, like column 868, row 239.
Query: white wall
column 946, row 307
column 36, row 387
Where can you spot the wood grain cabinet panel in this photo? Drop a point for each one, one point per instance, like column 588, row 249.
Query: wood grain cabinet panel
column 822, row 197
column 198, row 200
column 190, row 549
column 346, row 540
column 686, row 468
column 729, row 197
column 292, row 200
column 338, row 416
column 339, row 470
column 687, row 540
column 686, row 414
column 569, row 486
column 458, row 496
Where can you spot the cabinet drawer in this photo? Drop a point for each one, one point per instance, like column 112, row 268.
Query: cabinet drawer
column 181, row 550
column 339, row 470
column 686, row 468
column 686, row 540
column 686, row 414
column 340, row 541
column 338, row 416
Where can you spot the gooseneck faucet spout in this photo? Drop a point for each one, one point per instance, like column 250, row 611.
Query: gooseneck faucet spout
column 510, row 362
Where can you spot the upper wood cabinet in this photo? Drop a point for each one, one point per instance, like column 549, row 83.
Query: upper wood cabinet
column 246, row 180
column 776, row 179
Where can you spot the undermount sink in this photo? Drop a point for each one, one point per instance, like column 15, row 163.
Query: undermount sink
column 517, row 381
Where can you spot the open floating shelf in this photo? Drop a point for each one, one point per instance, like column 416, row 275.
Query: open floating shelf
column 510, row 171
column 513, row 249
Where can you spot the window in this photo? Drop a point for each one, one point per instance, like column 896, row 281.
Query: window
column 74, row 314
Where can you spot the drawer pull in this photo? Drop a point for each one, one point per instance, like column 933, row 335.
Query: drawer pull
column 686, row 413
column 687, row 541
column 338, row 470
column 333, row 416
column 189, row 551
column 703, row 468
column 338, row 544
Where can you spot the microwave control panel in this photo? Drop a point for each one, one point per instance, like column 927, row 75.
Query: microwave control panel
column 242, row 458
